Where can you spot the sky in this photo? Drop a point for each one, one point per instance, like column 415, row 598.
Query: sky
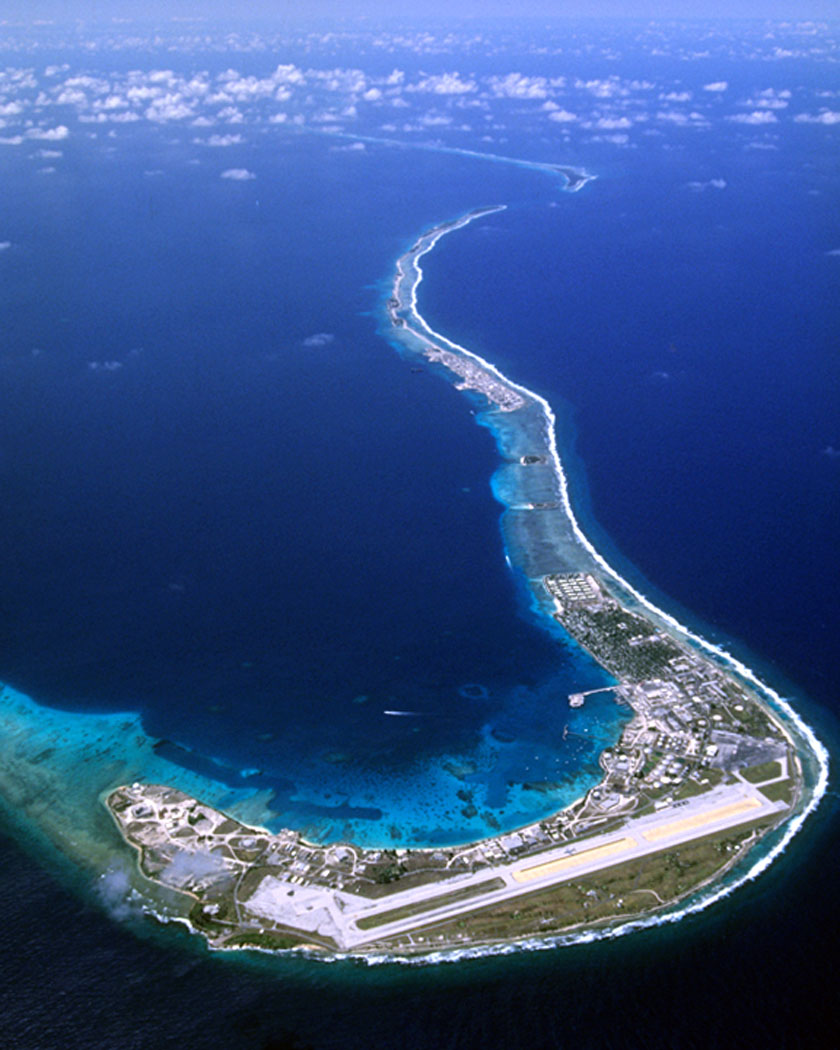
column 287, row 10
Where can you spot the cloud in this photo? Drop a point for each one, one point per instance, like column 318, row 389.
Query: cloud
column 562, row 116
column 515, row 85
column 5, row 245
column 170, row 107
column 758, row 116
column 825, row 116
column 769, row 99
column 319, row 339
column 444, row 84
column 188, row 867
column 713, row 184
column 105, row 366
column 220, row 140
column 238, row 174
column 680, row 119
column 616, row 140
column 716, row 86
column 231, row 115
column 435, row 120
column 116, row 893
column 49, row 134
column 613, row 123
column 607, row 88
column 831, row 251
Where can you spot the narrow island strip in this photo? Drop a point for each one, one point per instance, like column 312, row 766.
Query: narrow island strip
column 710, row 779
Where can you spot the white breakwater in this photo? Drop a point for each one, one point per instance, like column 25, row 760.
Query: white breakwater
column 808, row 746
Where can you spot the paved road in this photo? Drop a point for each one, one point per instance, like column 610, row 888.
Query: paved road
column 336, row 914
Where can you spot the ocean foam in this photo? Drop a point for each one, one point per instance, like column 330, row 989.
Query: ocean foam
column 807, row 738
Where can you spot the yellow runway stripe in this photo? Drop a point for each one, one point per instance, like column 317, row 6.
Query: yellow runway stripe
column 574, row 861
column 699, row 820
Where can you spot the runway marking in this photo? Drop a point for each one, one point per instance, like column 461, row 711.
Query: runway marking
column 575, row 860
column 699, row 820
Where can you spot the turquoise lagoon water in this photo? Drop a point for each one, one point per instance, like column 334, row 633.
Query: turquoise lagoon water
column 263, row 533
column 234, row 550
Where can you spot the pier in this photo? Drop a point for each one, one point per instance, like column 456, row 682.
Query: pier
column 576, row 699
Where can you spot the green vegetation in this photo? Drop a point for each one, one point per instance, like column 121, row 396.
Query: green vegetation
column 621, row 891
column 781, row 791
column 690, row 789
column 376, row 890
column 764, row 771
column 383, row 918
column 608, row 633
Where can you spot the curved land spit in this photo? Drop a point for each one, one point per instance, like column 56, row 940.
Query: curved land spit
column 710, row 764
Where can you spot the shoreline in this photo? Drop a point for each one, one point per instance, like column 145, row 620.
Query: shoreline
column 767, row 796
column 71, row 821
column 428, row 241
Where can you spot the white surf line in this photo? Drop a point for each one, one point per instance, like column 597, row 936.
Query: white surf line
column 580, row 180
column 817, row 748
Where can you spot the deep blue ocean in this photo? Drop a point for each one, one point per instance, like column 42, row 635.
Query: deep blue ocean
column 229, row 505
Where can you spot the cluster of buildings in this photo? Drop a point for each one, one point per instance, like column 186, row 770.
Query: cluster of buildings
column 692, row 726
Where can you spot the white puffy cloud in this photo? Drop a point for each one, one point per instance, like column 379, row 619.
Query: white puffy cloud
column 613, row 123
column 562, row 116
column 681, row 119
column 231, row 115
column 825, row 116
column 716, row 86
column 96, row 85
column 238, row 174
column 71, row 97
column 49, row 134
column 758, row 116
column 515, row 85
column 169, row 107
column 444, row 84
column 220, row 140
column 434, row 120
column 5, row 245
column 606, row 88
